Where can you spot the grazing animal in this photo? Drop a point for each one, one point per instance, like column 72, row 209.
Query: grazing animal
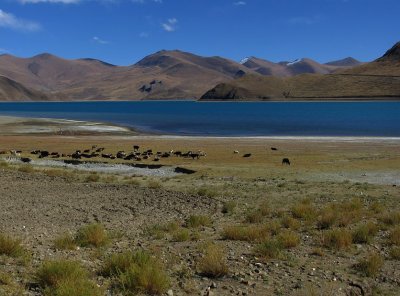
column 285, row 161
column 35, row 152
column 94, row 147
column 44, row 154
column 3, row 152
column 100, row 149
column 178, row 153
column 26, row 159
column 86, row 151
column 247, row 155
column 274, row 149
column 15, row 153
column 76, row 155
column 236, row 152
column 136, row 148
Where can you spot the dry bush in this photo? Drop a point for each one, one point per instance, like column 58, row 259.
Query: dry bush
column 394, row 236
column 371, row 265
column 195, row 221
column 92, row 235
column 289, row 239
column 304, row 210
column 317, row 252
column 93, row 177
column 229, row 207
column 246, row 233
column 26, row 169
column 259, row 214
column 65, row 242
column 395, row 253
column 65, row 278
column 154, row 184
column 327, row 218
column 338, row 239
column 213, row 263
column 376, row 208
column 364, row 233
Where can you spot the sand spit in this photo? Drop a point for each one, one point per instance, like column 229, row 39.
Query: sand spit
column 21, row 126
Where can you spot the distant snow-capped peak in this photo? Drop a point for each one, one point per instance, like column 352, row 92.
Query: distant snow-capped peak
column 245, row 60
column 294, row 62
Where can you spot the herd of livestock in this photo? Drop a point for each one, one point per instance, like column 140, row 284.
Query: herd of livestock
column 95, row 152
column 135, row 154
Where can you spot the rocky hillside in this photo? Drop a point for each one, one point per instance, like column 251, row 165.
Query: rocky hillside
column 378, row 79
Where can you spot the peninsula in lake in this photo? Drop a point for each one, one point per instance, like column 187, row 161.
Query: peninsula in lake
column 171, row 75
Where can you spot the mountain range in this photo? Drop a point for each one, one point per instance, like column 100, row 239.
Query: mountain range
column 172, row 75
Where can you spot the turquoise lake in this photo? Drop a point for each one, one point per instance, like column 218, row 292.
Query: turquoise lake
column 380, row 119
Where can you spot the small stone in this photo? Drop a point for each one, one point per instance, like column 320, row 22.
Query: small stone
column 170, row 293
column 213, row 285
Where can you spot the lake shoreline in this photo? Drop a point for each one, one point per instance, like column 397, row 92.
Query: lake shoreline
column 14, row 125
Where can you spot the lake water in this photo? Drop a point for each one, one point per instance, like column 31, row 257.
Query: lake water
column 228, row 118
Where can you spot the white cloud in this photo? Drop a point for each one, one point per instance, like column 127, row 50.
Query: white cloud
column 99, row 40
column 144, row 35
column 239, row 3
column 8, row 20
column 170, row 25
column 49, row 1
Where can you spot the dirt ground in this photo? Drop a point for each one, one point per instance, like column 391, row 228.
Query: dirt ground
column 37, row 206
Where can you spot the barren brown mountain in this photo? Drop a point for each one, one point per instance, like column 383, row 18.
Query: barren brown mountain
column 11, row 90
column 378, row 79
column 163, row 75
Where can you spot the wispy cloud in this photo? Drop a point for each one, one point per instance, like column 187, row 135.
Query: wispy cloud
column 144, row 35
column 99, row 40
column 170, row 25
column 239, row 3
column 49, row 1
column 8, row 20
column 303, row 20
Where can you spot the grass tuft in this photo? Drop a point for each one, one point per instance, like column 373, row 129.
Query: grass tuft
column 213, row 263
column 139, row 273
column 65, row 242
column 371, row 265
column 338, row 239
column 229, row 207
column 92, row 235
column 289, row 239
column 269, row 249
column 365, row 233
column 64, row 278
column 11, row 247
column 196, row 221
column 246, row 233
column 394, row 236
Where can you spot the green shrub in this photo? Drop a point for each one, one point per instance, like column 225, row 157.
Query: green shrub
column 92, row 235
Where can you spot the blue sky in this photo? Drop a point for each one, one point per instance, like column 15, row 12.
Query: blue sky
column 123, row 31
